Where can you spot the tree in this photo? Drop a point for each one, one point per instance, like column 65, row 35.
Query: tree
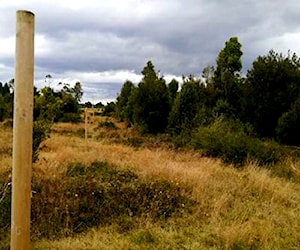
column 6, row 101
column 109, row 109
column 229, row 59
column 287, row 130
column 54, row 106
column 2, row 108
column 87, row 105
column 271, row 87
column 186, row 106
column 48, row 79
column 226, row 78
column 173, row 90
column 77, row 91
column 99, row 105
column 122, row 104
column 47, row 105
column 151, row 102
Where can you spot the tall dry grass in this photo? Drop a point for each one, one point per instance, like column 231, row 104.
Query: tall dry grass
column 6, row 138
column 244, row 208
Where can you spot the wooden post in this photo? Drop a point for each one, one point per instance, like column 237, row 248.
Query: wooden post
column 86, row 125
column 22, row 131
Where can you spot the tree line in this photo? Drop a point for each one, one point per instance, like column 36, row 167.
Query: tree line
column 265, row 102
column 49, row 105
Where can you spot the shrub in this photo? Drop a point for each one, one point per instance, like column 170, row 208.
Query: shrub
column 107, row 124
column 266, row 152
column 100, row 194
column 231, row 142
column 71, row 117
column 287, row 129
column 41, row 130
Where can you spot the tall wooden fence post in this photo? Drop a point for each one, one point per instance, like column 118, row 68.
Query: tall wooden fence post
column 22, row 131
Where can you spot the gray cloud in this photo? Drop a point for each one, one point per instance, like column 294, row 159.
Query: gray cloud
column 74, row 38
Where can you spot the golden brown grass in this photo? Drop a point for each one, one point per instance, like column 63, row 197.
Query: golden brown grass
column 236, row 208
column 5, row 148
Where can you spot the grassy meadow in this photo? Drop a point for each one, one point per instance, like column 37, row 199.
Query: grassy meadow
column 151, row 195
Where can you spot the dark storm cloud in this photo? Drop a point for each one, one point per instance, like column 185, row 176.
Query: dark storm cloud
column 180, row 37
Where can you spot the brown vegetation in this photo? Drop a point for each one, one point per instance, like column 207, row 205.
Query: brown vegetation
column 245, row 208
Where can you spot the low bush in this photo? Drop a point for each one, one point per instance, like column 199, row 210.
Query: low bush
column 232, row 142
column 71, row 117
column 107, row 124
column 88, row 196
column 41, row 131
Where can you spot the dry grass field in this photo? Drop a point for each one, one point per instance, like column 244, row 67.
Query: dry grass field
column 236, row 208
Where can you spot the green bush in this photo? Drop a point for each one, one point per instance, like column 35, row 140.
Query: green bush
column 71, row 117
column 231, row 142
column 41, row 131
column 266, row 152
column 287, row 130
column 107, row 124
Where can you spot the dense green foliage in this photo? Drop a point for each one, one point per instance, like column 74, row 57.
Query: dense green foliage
column 49, row 105
column 54, row 106
column 287, row 129
column 123, row 109
column 150, row 102
column 226, row 78
column 266, row 100
column 272, row 86
column 233, row 143
column 186, row 105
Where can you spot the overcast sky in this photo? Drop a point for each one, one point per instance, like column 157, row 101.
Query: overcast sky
column 101, row 43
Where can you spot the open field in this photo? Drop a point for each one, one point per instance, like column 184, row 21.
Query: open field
column 244, row 208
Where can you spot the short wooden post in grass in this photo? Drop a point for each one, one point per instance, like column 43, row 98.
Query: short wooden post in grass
column 22, row 131
column 86, row 125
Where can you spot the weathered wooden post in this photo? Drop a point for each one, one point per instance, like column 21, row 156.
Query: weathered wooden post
column 86, row 126
column 22, row 131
